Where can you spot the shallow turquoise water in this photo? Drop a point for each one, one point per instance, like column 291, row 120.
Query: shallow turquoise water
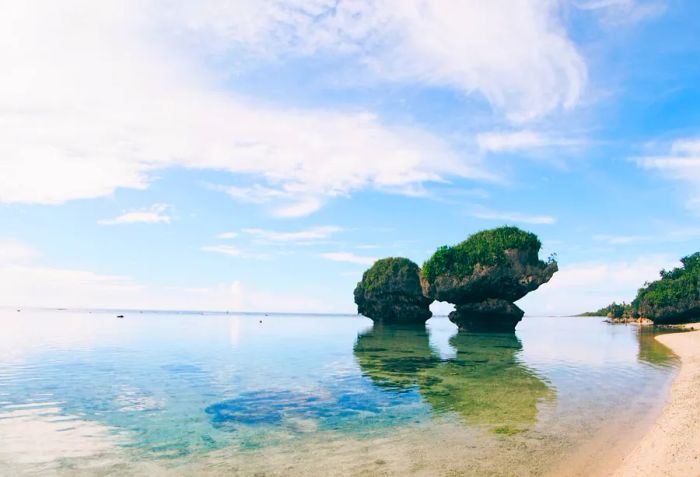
column 175, row 387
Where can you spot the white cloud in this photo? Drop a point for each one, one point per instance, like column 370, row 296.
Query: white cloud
column 237, row 296
column 349, row 257
column 666, row 233
column 23, row 283
column 286, row 201
column 299, row 207
column 515, row 54
column 314, row 233
column 227, row 235
column 514, row 217
column 101, row 95
column 229, row 250
column 506, row 141
column 255, row 194
column 588, row 286
column 681, row 163
column 33, row 285
column 622, row 239
column 615, row 12
column 153, row 215
column 62, row 288
column 13, row 251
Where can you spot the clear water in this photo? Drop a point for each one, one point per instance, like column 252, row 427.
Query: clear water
column 301, row 394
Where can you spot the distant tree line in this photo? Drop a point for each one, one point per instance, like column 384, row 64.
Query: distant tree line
column 673, row 298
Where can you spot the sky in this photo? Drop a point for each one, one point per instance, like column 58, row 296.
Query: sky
column 259, row 155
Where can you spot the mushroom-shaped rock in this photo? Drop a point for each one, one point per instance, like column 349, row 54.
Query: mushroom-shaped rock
column 390, row 292
column 485, row 274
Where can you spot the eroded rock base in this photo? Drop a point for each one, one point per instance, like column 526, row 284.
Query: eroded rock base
column 488, row 316
column 400, row 310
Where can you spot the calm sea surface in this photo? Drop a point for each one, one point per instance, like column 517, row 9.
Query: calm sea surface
column 86, row 393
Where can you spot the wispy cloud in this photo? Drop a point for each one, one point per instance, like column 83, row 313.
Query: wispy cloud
column 161, row 100
column 529, row 68
column 12, row 251
column 156, row 214
column 161, row 96
column 231, row 251
column 36, row 285
column 263, row 237
column 223, row 249
column 667, row 233
column 349, row 257
column 509, row 141
column 311, row 234
column 680, row 162
column 616, row 12
column 514, row 217
column 284, row 203
column 587, row 286
column 621, row 239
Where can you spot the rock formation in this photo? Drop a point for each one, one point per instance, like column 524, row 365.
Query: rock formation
column 390, row 292
column 484, row 275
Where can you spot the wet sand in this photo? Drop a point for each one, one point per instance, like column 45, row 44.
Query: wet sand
column 672, row 446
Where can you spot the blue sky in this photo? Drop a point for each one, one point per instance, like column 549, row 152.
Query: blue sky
column 259, row 155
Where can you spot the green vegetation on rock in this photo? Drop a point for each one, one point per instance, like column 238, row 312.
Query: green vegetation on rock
column 483, row 275
column 392, row 274
column 485, row 248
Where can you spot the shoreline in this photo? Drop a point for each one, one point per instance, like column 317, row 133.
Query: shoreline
column 671, row 447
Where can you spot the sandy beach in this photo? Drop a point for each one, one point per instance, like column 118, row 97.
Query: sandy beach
column 672, row 445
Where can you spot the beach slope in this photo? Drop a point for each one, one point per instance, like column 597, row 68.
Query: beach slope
column 672, row 445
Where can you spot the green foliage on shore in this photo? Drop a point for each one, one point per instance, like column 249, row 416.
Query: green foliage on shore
column 673, row 298
column 681, row 283
column 486, row 248
column 614, row 310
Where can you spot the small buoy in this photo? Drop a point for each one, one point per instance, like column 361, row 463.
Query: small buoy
column 260, row 321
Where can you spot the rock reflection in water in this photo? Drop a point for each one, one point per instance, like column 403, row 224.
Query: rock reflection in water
column 484, row 383
column 395, row 356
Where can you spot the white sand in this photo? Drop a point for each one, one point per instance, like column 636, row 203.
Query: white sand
column 672, row 445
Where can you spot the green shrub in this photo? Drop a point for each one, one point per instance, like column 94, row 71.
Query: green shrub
column 486, row 248
column 682, row 284
column 388, row 273
column 614, row 310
